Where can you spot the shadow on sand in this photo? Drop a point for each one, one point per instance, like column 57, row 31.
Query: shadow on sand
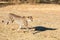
column 41, row 29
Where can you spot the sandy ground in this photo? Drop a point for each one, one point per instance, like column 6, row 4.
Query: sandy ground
column 45, row 15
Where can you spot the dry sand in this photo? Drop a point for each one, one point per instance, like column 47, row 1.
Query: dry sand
column 46, row 15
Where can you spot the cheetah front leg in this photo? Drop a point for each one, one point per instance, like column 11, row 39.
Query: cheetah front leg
column 20, row 27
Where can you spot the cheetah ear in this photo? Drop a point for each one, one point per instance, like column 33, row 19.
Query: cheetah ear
column 23, row 17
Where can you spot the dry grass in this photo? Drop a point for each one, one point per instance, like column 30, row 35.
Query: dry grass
column 47, row 15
